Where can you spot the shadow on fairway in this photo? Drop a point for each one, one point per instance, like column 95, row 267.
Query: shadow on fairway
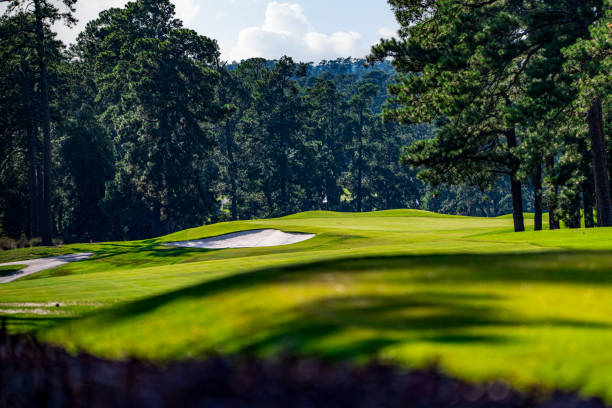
column 145, row 250
column 32, row 324
column 151, row 253
column 388, row 320
column 559, row 267
column 112, row 256
column 431, row 316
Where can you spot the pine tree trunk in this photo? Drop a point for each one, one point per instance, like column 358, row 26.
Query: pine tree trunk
column 537, row 205
column 600, row 166
column 574, row 213
column 156, row 220
column 517, row 205
column 32, row 181
column 553, row 221
column 229, row 145
column 359, row 180
column 360, row 166
column 517, row 193
column 486, row 210
column 587, row 199
column 46, row 125
column 32, row 130
column 331, row 185
column 284, row 177
column 588, row 187
column 589, row 220
column 267, row 190
column 39, row 196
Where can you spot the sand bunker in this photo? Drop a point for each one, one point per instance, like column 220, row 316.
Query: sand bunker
column 246, row 239
column 37, row 265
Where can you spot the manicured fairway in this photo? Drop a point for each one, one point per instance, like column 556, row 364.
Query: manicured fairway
column 405, row 286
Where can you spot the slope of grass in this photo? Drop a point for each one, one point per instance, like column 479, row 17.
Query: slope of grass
column 10, row 269
column 32, row 253
column 405, row 286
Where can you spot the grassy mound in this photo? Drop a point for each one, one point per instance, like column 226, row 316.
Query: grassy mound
column 403, row 286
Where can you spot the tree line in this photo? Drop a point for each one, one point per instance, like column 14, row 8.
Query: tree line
column 140, row 129
column 517, row 89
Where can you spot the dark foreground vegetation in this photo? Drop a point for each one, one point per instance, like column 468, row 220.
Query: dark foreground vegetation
column 33, row 374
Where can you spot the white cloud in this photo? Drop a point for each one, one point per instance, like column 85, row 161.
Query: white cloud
column 387, row 32
column 287, row 31
column 340, row 43
column 286, row 18
column 85, row 12
column 187, row 11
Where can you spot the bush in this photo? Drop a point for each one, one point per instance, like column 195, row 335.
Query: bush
column 7, row 243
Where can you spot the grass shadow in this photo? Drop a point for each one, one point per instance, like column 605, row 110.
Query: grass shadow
column 32, row 324
column 557, row 267
column 440, row 317
column 154, row 252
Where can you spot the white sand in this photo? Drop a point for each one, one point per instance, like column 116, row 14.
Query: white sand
column 37, row 265
column 246, row 239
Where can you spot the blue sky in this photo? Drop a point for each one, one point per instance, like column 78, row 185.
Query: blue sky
column 308, row 30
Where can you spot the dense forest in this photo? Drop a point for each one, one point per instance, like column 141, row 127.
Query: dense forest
column 140, row 128
column 516, row 89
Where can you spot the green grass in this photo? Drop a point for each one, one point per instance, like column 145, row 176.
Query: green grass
column 32, row 253
column 406, row 286
column 10, row 269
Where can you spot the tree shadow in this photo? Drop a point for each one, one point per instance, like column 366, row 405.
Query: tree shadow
column 588, row 267
column 125, row 255
column 433, row 316
column 154, row 252
column 438, row 318
column 524, row 268
column 20, row 324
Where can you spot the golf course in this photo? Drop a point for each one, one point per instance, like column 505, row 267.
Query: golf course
column 407, row 287
column 347, row 204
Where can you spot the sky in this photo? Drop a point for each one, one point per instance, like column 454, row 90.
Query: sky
column 307, row 30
